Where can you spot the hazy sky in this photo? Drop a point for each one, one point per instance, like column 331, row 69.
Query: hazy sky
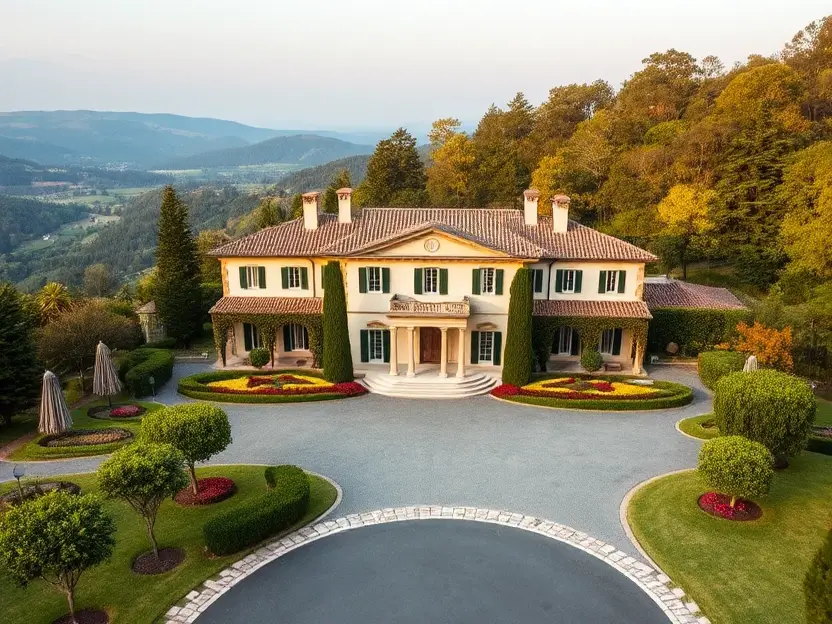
column 355, row 63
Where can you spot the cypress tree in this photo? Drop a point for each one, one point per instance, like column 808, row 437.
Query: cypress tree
column 517, row 365
column 19, row 370
column 337, row 354
column 393, row 171
column 178, row 295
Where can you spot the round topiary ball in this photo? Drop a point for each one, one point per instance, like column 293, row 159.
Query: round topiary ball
column 736, row 466
column 258, row 357
column 591, row 360
column 767, row 406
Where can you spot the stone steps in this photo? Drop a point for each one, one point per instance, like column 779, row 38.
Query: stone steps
column 429, row 386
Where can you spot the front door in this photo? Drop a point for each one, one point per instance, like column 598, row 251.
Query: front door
column 430, row 339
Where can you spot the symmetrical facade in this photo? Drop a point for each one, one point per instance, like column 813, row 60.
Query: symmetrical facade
column 431, row 286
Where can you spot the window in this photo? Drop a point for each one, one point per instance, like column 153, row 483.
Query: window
column 565, row 341
column 607, row 341
column 294, row 278
column 300, row 338
column 376, row 346
column 431, row 282
column 537, row 280
column 612, row 281
column 486, row 346
column 251, row 337
column 252, row 277
column 374, row 279
column 487, row 282
column 569, row 281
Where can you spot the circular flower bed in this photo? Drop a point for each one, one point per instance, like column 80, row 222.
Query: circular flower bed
column 85, row 437
column 116, row 412
column 209, row 490
column 719, row 505
column 248, row 387
column 37, row 489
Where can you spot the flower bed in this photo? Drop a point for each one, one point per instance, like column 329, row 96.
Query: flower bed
column 719, row 505
column 85, row 437
column 117, row 412
column 282, row 386
column 210, row 490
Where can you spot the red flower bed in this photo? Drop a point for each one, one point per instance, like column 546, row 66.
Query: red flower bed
column 720, row 505
column 210, row 490
column 505, row 390
column 126, row 411
column 253, row 382
column 575, row 394
column 349, row 388
column 602, row 386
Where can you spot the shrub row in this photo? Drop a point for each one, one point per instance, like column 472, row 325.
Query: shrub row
column 164, row 343
column 693, row 329
column 262, row 516
column 147, row 363
column 713, row 365
column 682, row 395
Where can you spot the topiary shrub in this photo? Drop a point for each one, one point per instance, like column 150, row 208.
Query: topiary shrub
column 714, row 365
column 258, row 357
column 591, row 360
column 337, row 352
column 144, row 364
column 736, row 466
column 519, row 356
column 817, row 585
column 261, row 516
column 197, row 430
column 770, row 407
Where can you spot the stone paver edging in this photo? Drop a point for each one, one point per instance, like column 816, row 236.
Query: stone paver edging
column 652, row 581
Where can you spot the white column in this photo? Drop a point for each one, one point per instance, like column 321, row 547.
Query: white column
column 394, row 352
column 460, row 367
column 638, row 358
column 411, row 355
column 443, row 360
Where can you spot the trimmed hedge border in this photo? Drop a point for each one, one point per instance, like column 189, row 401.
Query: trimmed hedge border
column 261, row 516
column 144, row 364
column 714, row 365
column 196, row 387
column 682, row 396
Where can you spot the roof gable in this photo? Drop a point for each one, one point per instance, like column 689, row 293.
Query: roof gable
column 435, row 241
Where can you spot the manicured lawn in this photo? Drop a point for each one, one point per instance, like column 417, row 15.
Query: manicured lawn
column 823, row 417
column 129, row 597
column 32, row 451
column 21, row 425
column 738, row 571
column 693, row 427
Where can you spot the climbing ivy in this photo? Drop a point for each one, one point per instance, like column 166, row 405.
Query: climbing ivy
column 589, row 331
column 269, row 326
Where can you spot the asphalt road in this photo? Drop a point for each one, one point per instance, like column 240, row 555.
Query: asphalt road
column 435, row 571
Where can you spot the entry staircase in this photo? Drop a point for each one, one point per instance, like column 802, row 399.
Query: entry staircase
column 429, row 386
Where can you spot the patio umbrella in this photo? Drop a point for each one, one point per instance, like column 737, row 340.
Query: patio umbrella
column 54, row 415
column 105, row 380
column 750, row 364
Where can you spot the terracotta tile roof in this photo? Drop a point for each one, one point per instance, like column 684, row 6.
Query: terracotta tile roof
column 268, row 305
column 670, row 293
column 500, row 229
column 148, row 308
column 578, row 307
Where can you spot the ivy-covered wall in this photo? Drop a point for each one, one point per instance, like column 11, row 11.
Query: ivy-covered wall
column 693, row 329
column 269, row 326
column 589, row 329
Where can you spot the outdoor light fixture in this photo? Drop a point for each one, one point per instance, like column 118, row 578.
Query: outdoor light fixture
column 18, row 472
column 152, row 381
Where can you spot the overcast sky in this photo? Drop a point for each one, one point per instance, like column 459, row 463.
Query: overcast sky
column 345, row 64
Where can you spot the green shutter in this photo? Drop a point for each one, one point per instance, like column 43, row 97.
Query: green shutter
column 575, row 347
column 622, row 280
column 386, row 342
column 362, row 279
column 385, row 280
column 538, row 280
column 365, row 345
column 559, row 280
column 243, row 281
column 261, row 276
column 304, row 278
column 475, row 347
column 602, row 282
column 475, row 282
column 247, row 336
column 443, row 281
column 616, row 341
column 497, row 354
column 417, row 281
column 284, row 277
column 287, row 338
column 579, row 276
column 499, row 282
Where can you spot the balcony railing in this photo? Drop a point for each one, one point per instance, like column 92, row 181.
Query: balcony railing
column 405, row 306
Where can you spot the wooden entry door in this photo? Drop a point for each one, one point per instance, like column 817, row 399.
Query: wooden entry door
column 430, row 340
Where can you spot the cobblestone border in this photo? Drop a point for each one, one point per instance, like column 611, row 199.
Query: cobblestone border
column 652, row 581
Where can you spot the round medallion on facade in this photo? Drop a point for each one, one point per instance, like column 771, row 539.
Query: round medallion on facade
column 431, row 245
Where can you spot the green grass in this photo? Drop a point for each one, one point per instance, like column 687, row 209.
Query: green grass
column 32, row 451
column 693, row 427
column 739, row 571
column 21, row 425
column 823, row 417
column 134, row 599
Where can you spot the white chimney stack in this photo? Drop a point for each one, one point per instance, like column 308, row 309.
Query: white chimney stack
column 530, row 199
column 310, row 210
column 344, row 205
column 560, row 213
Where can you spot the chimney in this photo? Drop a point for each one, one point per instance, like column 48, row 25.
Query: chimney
column 530, row 198
column 310, row 210
column 344, row 205
column 560, row 213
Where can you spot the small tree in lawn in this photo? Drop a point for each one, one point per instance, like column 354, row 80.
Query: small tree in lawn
column 736, row 466
column 197, row 430
column 337, row 353
column 518, row 361
column 817, row 585
column 55, row 537
column 144, row 475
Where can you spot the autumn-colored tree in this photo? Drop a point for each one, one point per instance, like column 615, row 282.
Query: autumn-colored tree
column 686, row 213
column 772, row 347
column 809, row 53
column 449, row 178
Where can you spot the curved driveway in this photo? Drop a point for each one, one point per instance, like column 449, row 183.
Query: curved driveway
column 436, row 571
column 573, row 467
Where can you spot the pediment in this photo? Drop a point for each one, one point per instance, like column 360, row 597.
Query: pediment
column 434, row 242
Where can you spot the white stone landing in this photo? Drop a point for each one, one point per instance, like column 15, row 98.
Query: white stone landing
column 429, row 385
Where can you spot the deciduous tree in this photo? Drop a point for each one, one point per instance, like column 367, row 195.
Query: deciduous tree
column 449, row 177
column 686, row 213
column 97, row 280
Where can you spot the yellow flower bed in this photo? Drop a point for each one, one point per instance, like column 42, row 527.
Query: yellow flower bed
column 620, row 388
column 240, row 384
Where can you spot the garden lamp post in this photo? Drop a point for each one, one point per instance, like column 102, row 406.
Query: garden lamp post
column 152, row 381
column 18, row 472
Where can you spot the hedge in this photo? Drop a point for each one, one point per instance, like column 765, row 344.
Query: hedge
column 147, row 363
column 518, row 362
column 714, row 365
column 261, row 516
column 693, row 329
column 682, row 395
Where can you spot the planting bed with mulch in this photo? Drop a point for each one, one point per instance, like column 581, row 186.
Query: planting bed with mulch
column 116, row 412
column 85, row 616
column 209, row 490
column 719, row 505
column 168, row 559
column 35, row 490
column 85, row 437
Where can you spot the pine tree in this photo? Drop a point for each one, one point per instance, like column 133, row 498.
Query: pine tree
column 394, row 172
column 19, row 370
column 337, row 352
column 178, row 295
column 341, row 180
column 517, row 366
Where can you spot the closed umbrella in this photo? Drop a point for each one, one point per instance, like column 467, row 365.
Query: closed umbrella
column 750, row 364
column 105, row 381
column 54, row 414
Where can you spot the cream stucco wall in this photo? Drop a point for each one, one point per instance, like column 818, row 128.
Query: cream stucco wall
column 438, row 245
column 274, row 286
column 633, row 283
